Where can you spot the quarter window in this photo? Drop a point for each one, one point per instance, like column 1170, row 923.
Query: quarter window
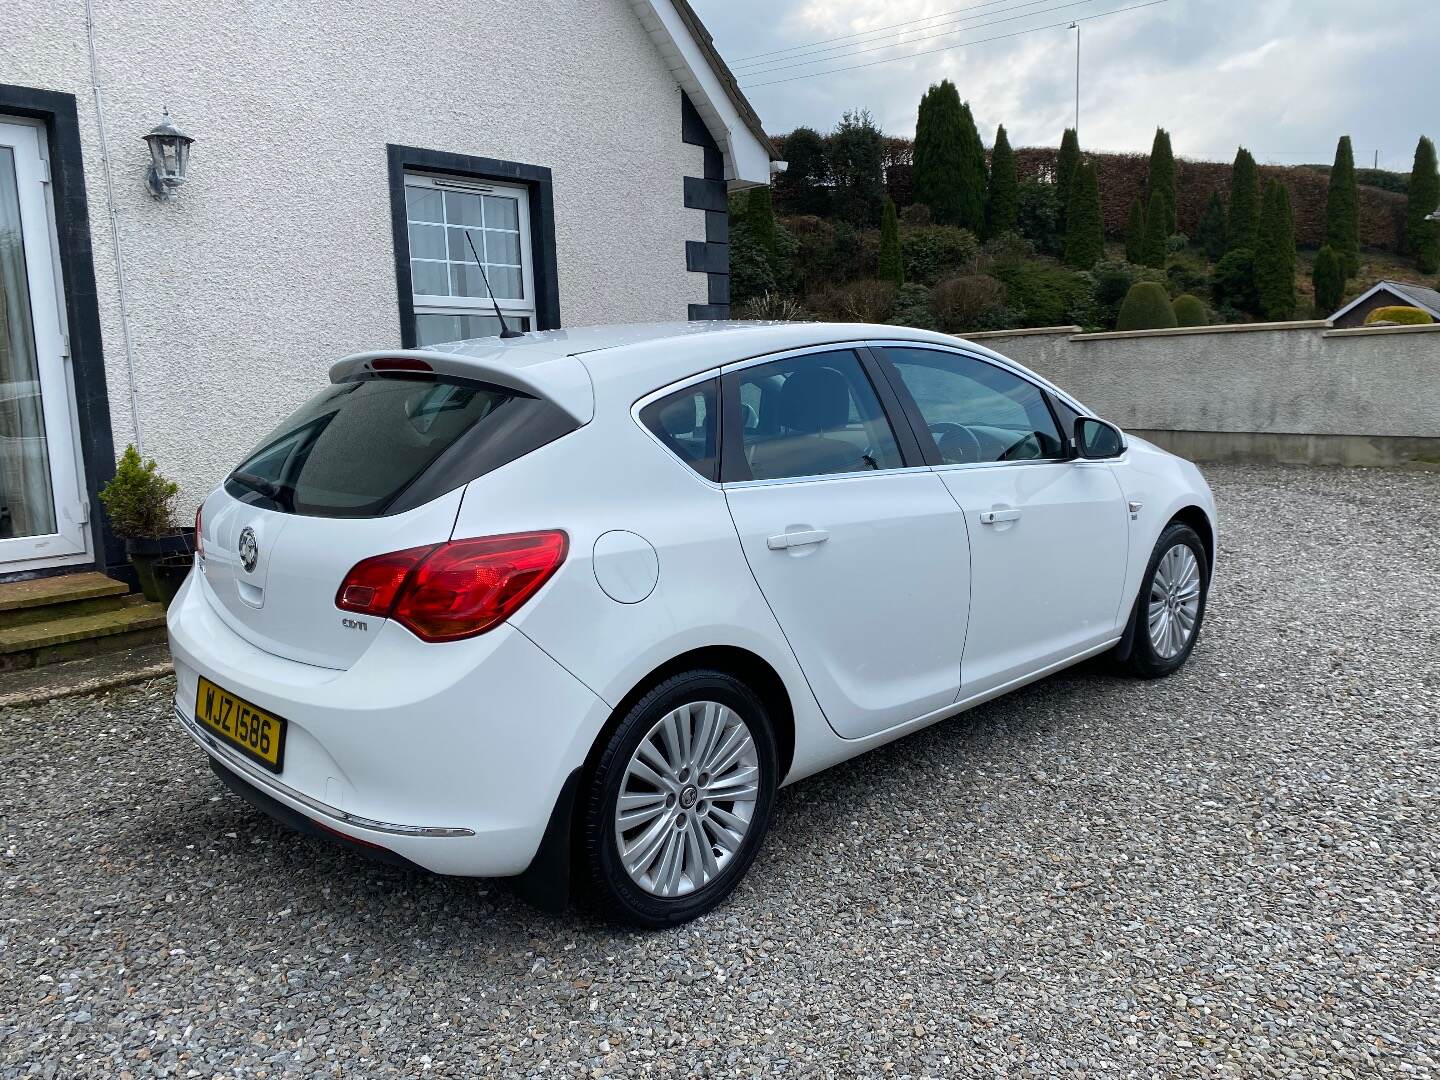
column 812, row 415
column 977, row 412
column 445, row 217
column 687, row 423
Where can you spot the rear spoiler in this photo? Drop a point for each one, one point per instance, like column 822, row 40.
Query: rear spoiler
column 559, row 379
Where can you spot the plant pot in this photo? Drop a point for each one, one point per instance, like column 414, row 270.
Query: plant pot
column 169, row 573
column 146, row 551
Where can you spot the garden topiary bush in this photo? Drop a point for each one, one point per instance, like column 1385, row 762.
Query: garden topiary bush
column 912, row 307
column 1042, row 293
column 1404, row 316
column 1190, row 311
column 1146, row 307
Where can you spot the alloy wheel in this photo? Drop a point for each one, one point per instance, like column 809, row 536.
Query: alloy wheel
column 1174, row 601
column 687, row 799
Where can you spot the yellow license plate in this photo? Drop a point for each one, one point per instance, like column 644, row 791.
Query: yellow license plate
column 256, row 733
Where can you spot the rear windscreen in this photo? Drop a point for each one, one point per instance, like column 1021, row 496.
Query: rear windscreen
column 353, row 449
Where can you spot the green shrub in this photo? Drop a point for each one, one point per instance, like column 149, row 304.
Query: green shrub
column 1135, row 234
column 1084, row 227
column 916, row 215
column 962, row 302
column 1190, row 311
column 891, row 268
column 1044, row 294
column 1405, row 316
column 1161, row 180
column 1184, row 275
column 1154, row 249
column 1110, row 281
column 1066, row 166
column 1422, row 236
column 1329, row 279
column 933, row 252
column 1010, row 247
column 1242, row 221
column 1210, row 234
column 1002, row 199
column 138, row 499
column 1233, row 287
column 751, row 273
column 1146, row 307
column 939, row 152
column 1342, row 210
column 912, row 307
column 1275, row 255
column 1040, row 216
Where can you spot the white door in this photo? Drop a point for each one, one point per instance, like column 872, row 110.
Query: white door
column 43, row 512
column 1048, row 535
column 862, row 560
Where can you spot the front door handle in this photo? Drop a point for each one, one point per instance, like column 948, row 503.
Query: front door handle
column 994, row 517
column 782, row 541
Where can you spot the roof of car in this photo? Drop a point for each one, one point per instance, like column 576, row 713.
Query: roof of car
column 562, row 364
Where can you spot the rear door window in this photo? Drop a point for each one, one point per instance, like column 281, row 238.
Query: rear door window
column 812, row 415
column 351, row 450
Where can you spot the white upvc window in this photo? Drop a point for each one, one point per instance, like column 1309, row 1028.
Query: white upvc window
column 446, row 216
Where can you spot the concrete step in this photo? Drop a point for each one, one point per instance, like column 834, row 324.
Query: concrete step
column 86, row 676
column 46, row 599
column 71, row 637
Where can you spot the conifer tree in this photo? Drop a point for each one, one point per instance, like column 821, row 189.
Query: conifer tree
column 1162, row 177
column 1155, row 247
column 1084, row 227
column 892, row 269
column 1275, row 255
column 760, row 220
column 1135, row 234
column 939, row 137
column 1242, row 221
column 1002, row 204
column 1342, row 210
column 1422, row 236
column 1065, row 167
column 972, row 176
column 1211, row 233
column 1329, row 278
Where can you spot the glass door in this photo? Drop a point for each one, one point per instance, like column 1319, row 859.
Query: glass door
column 42, row 510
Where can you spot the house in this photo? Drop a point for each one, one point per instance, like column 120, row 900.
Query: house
column 1387, row 294
column 586, row 146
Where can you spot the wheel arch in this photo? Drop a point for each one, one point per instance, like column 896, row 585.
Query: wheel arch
column 1197, row 519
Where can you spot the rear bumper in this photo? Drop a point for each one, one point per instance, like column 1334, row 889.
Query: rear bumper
column 450, row 757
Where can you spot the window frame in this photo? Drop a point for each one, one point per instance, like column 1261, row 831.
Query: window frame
column 735, row 469
column 921, row 429
column 434, row 304
column 690, row 383
column 542, row 282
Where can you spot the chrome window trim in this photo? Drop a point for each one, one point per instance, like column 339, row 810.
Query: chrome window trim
column 277, row 790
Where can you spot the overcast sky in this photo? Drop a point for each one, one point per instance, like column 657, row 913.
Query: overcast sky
column 1284, row 77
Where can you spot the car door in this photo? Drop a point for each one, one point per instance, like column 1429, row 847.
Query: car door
column 1048, row 533
column 855, row 543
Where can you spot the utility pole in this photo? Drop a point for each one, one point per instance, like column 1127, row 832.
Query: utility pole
column 1076, row 27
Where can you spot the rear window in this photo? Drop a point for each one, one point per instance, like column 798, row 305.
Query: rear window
column 355, row 448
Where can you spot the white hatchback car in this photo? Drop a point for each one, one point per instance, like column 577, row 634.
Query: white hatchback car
column 576, row 604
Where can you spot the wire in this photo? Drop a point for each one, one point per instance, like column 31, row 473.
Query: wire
column 780, row 65
column 744, row 60
column 928, row 37
column 958, row 45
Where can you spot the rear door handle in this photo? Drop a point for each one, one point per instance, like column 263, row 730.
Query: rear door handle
column 994, row 517
column 781, row 541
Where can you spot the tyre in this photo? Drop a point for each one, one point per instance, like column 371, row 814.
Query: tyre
column 679, row 801
column 1171, row 604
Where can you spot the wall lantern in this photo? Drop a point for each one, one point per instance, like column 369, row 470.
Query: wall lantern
column 169, row 157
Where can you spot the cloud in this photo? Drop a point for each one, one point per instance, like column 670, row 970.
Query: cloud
column 1283, row 77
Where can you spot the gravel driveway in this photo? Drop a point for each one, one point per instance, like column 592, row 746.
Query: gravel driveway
column 1231, row 872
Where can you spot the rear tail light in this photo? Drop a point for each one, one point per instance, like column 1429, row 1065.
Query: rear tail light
column 444, row 592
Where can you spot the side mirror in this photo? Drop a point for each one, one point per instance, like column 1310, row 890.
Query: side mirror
column 1096, row 440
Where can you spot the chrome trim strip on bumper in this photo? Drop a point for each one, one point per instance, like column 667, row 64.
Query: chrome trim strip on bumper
column 274, row 788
